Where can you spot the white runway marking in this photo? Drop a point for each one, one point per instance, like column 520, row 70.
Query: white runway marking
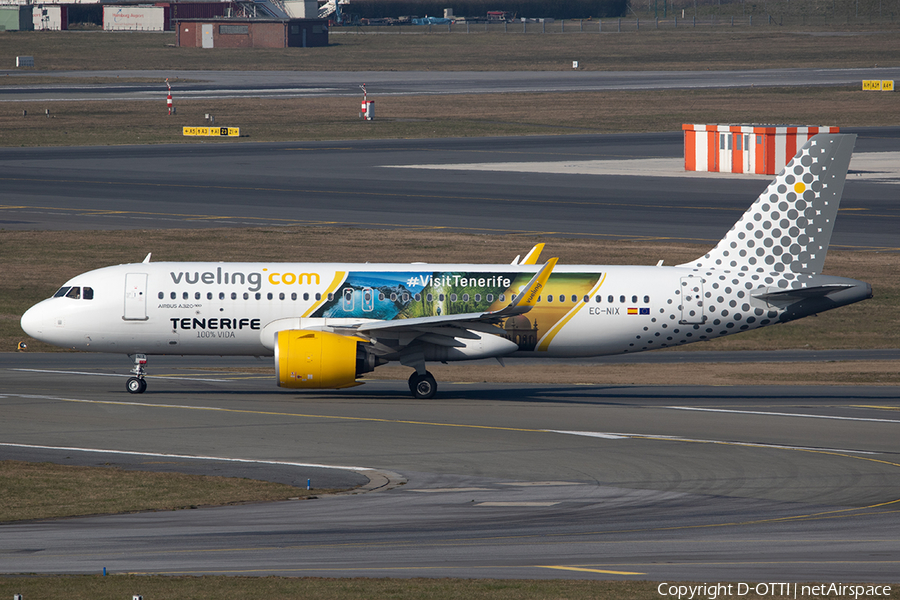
column 777, row 414
column 188, row 456
column 880, row 167
column 119, row 375
column 675, row 438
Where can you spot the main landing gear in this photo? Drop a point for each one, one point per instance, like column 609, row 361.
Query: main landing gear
column 136, row 384
column 422, row 387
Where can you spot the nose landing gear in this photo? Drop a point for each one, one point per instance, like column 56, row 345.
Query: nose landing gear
column 137, row 384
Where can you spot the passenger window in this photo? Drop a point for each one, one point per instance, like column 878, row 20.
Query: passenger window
column 429, row 297
column 562, row 298
column 418, row 297
column 574, row 298
column 622, row 299
column 646, row 299
column 269, row 296
column 306, row 295
column 161, row 295
column 281, row 296
column 598, row 299
column 452, row 297
column 293, row 295
column 221, row 295
column 330, row 297
column 610, row 299
column 196, row 295
column 258, row 296
column 185, row 296
column 490, row 297
column 173, row 295
column 634, row 299
column 234, row 295
column 318, row 296
column 209, row 295
column 246, row 296
column 587, row 298
column 549, row 298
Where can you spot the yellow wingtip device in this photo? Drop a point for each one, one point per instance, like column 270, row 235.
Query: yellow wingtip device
column 532, row 257
column 532, row 291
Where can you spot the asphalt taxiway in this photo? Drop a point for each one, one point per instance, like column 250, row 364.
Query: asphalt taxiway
column 383, row 184
column 202, row 84
column 652, row 482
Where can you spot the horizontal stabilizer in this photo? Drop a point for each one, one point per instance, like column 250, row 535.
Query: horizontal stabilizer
column 787, row 297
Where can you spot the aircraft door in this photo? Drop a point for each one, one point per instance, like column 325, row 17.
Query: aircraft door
column 692, row 301
column 135, row 297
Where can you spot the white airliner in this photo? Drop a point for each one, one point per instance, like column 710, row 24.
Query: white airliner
column 327, row 323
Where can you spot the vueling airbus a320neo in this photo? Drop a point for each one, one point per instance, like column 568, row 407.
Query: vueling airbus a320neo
column 328, row 323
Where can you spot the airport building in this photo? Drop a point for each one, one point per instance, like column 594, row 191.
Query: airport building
column 251, row 33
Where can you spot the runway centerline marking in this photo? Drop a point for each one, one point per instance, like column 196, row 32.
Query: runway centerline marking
column 778, row 414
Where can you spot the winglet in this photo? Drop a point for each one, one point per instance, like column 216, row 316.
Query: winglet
column 527, row 298
column 529, row 295
column 532, row 257
column 147, row 258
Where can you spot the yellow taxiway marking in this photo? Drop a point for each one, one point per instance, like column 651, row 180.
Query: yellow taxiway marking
column 875, row 406
column 603, row 571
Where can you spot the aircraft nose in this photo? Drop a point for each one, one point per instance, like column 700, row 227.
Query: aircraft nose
column 33, row 321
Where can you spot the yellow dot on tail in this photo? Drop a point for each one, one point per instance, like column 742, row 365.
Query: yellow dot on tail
column 799, row 187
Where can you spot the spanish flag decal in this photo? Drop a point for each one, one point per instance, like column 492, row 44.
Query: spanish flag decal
column 632, row 311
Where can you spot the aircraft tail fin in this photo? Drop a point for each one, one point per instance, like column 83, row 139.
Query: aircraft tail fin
column 789, row 226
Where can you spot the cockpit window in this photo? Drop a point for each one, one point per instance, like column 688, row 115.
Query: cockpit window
column 87, row 293
column 74, row 292
column 61, row 292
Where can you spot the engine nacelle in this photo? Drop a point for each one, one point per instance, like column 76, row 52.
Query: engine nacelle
column 320, row 359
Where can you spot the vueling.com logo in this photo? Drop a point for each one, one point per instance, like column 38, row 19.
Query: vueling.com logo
column 252, row 280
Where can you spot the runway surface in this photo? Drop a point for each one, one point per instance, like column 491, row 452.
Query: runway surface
column 288, row 84
column 764, row 483
column 349, row 184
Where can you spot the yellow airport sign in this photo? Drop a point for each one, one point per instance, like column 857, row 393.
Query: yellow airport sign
column 884, row 85
column 213, row 131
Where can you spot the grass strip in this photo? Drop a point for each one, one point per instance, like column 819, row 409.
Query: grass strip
column 350, row 49
column 89, row 123
column 94, row 587
column 31, row 491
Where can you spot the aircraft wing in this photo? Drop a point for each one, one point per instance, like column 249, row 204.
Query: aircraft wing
column 442, row 329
